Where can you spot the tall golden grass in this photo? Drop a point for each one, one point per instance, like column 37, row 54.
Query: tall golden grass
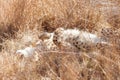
column 29, row 17
column 70, row 13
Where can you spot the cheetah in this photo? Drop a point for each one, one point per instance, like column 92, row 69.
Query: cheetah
column 67, row 39
column 81, row 40
column 110, row 35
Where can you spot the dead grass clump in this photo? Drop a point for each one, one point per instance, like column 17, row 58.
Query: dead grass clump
column 26, row 18
column 55, row 65
column 72, row 13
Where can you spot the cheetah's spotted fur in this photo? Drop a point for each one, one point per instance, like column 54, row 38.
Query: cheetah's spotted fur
column 83, row 41
column 75, row 40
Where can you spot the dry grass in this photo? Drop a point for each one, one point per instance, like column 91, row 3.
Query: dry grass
column 23, row 19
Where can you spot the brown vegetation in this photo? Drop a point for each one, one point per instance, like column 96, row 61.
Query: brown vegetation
column 21, row 18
